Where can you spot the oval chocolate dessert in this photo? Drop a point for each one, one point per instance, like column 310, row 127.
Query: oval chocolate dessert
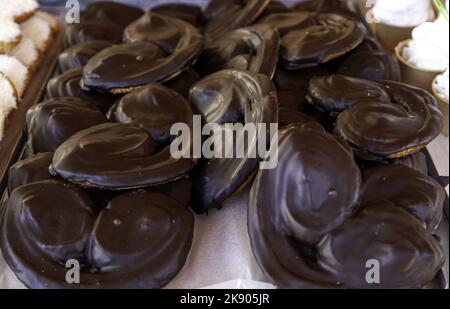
column 48, row 223
column 29, row 170
column 229, row 97
column 408, row 256
column 189, row 13
column 79, row 54
column 231, row 15
column 159, row 48
column 52, row 122
column 67, row 84
column 395, row 129
column 298, row 203
column 90, row 31
column 332, row 93
column 409, row 189
column 118, row 13
column 254, row 49
column 117, row 156
column 417, row 161
column 331, row 36
column 287, row 22
column 154, row 108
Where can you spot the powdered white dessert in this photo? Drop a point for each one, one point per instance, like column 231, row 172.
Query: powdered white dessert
column 15, row 71
column 27, row 52
column 403, row 13
column 8, row 101
column 9, row 35
column 441, row 85
column 429, row 47
column 51, row 20
column 19, row 10
column 39, row 30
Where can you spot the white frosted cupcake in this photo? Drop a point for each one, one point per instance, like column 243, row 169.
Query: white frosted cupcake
column 397, row 18
column 16, row 72
column 441, row 92
column 10, row 35
column 18, row 10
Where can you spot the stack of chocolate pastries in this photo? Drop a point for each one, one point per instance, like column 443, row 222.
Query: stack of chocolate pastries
column 99, row 184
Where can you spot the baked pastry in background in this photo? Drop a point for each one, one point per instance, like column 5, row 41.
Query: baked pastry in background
column 18, row 10
column 16, row 72
column 9, row 35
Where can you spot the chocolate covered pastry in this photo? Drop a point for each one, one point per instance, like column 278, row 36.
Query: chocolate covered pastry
column 52, row 122
column 392, row 129
column 408, row 256
column 289, row 21
column 409, row 189
column 224, row 16
column 183, row 82
column 293, row 206
column 329, row 37
column 92, row 30
column 158, row 47
column 78, row 55
column 274, row 7
column 154, row 108
column 189, row 13
column 230, row 96
column 91, row 159
column 67, row 84
column 297, row 80
column 47, row 223
column 253, row 48
column 118, row 13
column 29, row 170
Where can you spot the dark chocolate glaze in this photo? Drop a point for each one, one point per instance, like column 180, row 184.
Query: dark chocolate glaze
column 274, row 7
column 92, row 30
column 79, row 54
column 287, row 22
column 253, row 48
column 371, row 65
column 288, row 116
column 29, row 170
column 330, row 37
column 340, row 7
column 154, row 108
column 299, row 202
column 408, row 123
column 417, row 161
column 189, row 13
column 140, row 240
column 409, row 257
column 118, row 13
column 336, row 93
column 297, row 80
column 183, row 82
column 230, row 96
column 67, row 84
column 161, row 46
column 231, row 15
column 52, row 122
column 409, row 189
column 117, row 156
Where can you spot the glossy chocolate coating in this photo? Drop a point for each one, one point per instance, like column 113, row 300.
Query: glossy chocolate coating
column 90, row 31
column 417, row 161
column 161, row 46
column 67, row 84
column 118, row 13
column 330, row 37
column 288, row 117
column 231, row 15
column 79, row 54
column 189, row 13
column 371, row 65
column 253, row 48
column 396, row 129
column 154, row 108
column 230, row 96
column 297, row 80
column 140, row 240
column 274, row 7
column 287, row 22
column 52, row 122
column 116, row 156
column 341, row 7
column 409, row 257
column 299, row 202
column 29, row 170
column 336, row 93
column 409, row 189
